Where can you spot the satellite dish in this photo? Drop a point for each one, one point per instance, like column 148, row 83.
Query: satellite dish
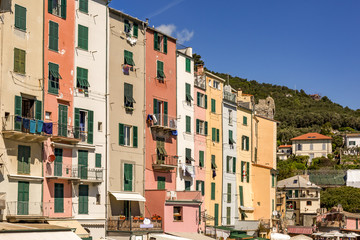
column 51, row 158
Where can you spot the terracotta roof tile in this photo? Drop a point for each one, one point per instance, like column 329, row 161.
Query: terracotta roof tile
column 311, row 136
column 285, row 146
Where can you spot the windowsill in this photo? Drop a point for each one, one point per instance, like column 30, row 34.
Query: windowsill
column 55, row 94
column 21, row 74
column 202, row 134
column 201, row 106
column 59, row 16
column 178, row 220
column 83, row 49
column 160, row 51
column 189, row 133
column 244, row 124
column 86, row 13
column 21, row 30
column 213, row 112
column 53, row 50
column 127, row 146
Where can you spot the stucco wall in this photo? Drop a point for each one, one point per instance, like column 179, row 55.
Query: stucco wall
column 189, row 223
column 317, row 150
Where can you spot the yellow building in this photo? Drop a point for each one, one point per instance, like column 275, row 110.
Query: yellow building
column 213, row 162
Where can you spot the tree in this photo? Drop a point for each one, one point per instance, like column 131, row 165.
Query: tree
column 348, row 197
column 197, row 60
column 326, row 129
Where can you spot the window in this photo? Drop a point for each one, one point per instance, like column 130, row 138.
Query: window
column 215, row 135
column 63, row 120
column 24, row 160
column 127, row 135
column 244, row 120
column 273, row 179
column 23, row 198
column 57, row 7
column 20, row 17
column 160, row 71
column 158, row 40
column 19, row 60
column 308, row 203
column 350, row 143
column 245, row 143
column 161, row 183
column 128, row 97
column 128, row 58
column 128, row 177
column 230, row 117
column 54, row 76
column 83, row 164
column 187, row 185
column 213, row 164
column 245, row 171
column 83, row 35
column 59, row 198
column 58, row 163
column 100, row 126
column 201, row 159
column 299, row 147
column 98, row 199
column 213, row 105
column 188, row 65
column 160, row 150
column 98, row 160
column 228, row 164
column 200, row 186
column 188, row 124
column 188, row 93
column 160, row 112
column 48, row 115
column 83, row 199
column 216, row 84
column 229, row 192
column 201, row 100
column 82, row 78
column 241, row 193
column 83, row 6
column 53, row 36
column 228, row 215
column 212, row 191
column 127, row 27
column 216, row 214
column 296, row 193
column 177, row 212
column 135, row 30
column 84, row 125
column 200, row 127
column 311, row 146
column 231, row 139
column 188, row 158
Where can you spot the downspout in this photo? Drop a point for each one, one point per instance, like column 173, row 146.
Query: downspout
column 222, row 160
column 144, row 117
column 106, row 114
column 43, row 99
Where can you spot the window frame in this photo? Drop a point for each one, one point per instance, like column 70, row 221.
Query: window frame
column 19, row 61
column 20, row 19
column 178, row 215
column 83, row 41
column 82, row 9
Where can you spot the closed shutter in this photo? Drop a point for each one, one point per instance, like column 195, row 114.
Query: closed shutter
column 201, row 158
column 58, row 166
column 59, row 198
column 188, row 124
column 165, row 114
column 188, row 92
column 247, row 144
column 20, row 17
column 242, row 143
column 165, row 44
column 228, row 164
column 90, row 127
column 23, row 198
column 53, row 36
column 296, row 193
column 83, row 6
column 188, row 154
column 247, row 171
column 216, row 210
column 205, row 101
column 121, row 134
column 272, row 180
column 213, row 105
column 63, row 8
column 98, row 160
column 229, row 192
column 83, row 164
column 197, row 126
column 83, row 199
column 23, row 159
column 217, row 135
column 62, row 120
column 83, row 33
column 50, row 7
column 156, row 43
column 135, row 136
column 203, row 188
column 212, row 191
column 244, row 120
column 241, row 195
column 198, row 98
column 198, row 185
column 128, row 177
column 228, row 215
column 18, row 112
column 161, row 183
column 206, row 128
column 213, row 134
column 242, row 171
column 77, row 123
column 234, row 164
column 38, row 110
column 19, row 60
column 156, row 110
column 135, row 30
column 188, row 65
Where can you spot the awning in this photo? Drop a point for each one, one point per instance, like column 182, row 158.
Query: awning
column 191, row 235
column 240, row 235
column 162, row 236
column 243, row 208
column 68, row 235
column 73, row 224
column 189, row 97
column 128, row 196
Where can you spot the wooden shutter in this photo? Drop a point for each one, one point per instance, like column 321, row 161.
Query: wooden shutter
column 20, row 17
column 83, row 199
column 242, row 143
column 90, row 136
column 203, row 188
column 98, row 160
column 135, row 136
column 247, row 171
column 201, row 158
column 197, row 126
column 198, row 185
column 83, row 164
column 16, row 60
column 128, row 177
column 77, row 123
column 187, row 185
column 18, row 112
column 205, row 101
column 216, row 209
column 198, row 99
column 206, row 128
column 242, row 171
column 213, row 134
column 59, row 198
column 63, row 8
column 23, row 198
column 53, row 36
column 58, row 162
column 22, row 61
column 188, row 65
column 165, row 44
column 230, row 136
column 241, row 193
column 156, row 43
column 217, row 135
column 121, row 134
column 227, row 164
column 247, row 144
column 228, row 215
column 155, row 102
column 212, row 191
column 229, row 192
column 234, row 164
column 213, row 107
column 84, row 6
column 188, row 124
column 165, row 114
column 50, row 6
column 135, row 30
column 83, row 33
column 38, row 110
column 161, row 183
column 187, row 90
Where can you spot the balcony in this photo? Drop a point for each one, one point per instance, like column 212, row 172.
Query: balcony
column 60, row 171
column 67, row 134
column 164, row 122
column 22, row 129
column 184, row 196
column 229, row 96
column 200, row 81
column 123, row 224
column 164, row 162
column 26, row 211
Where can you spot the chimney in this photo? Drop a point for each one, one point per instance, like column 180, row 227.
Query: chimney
column 200, row 69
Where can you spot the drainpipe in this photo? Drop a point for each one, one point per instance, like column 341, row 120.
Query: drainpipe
column 106, row 114
column 144, row 111
column 43, row 100
column 222, row 160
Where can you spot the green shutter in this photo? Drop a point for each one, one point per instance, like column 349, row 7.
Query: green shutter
column 23, row 198
column 203, row 188
column 83, row 164
column 83, row 199
column 201, row 158
column 18, row 112
column 90, row 136
column 82, row 78
column 188, row 92
column 19, row 60
column 198, row 102
column 160, row 183
column 213, row 134
column 197, row 126
column 228, row 215
column 59, row 198
column 234, row 164
column 135, row 136
column 156, row 43
column 50, row 6
column 212, row 191
column 198, row 185
column 273, row 204
column 217, row 135
column 155, row 103
column 38, row 110
column 242, row 143
column 242, row 171
column 205, row 101
column 20, row 17
column 247, row 144
column 165, row 114
column 135, row 30
column 160, row 70
column 63, row 8
column 247, row 172
column 296, row 193
column 128, row 58
column 187, row 185
column 230, row 136
column 272, row 180
column 62, row 120
column 228, row 164
column 53, row 36
column 54, row 76
column 188, row 65
column 83, row 34
column 241, row 193
column 229, row 192
column 121, row 134
column 84, row 6
column 216, row 209
column 128, row 177
column 188, row 124
column 24, row 159
column 206, row 128
column 213, row 105
column 22, row 61
column 98, row 160
column 58, row 163
column 244, row 120
column 77, row 123
column 165, row 44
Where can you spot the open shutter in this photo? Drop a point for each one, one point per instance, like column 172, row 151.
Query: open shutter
column 121, row 134
column 230, row 137
column 198, row 98
column 18, row 112
column 38, row 110
column 242, row 171
column 188, row 124
column 234, row 164
column 165, row 114
column 98, row 160
column 135, row 136
column 50, row 6
column 206, row 128
column 77, row 123
column 205, row 101
column 213, row 134
column 135, row 30
column 228, row 164
column 241, row 196
column 202, row 188
column 165, row 44
column 247, row 143
column 247, row 172
column 63, row 9
column 90, row 127
column 156, row 43
column 155, row 106
column 201, row 158
column 22, row 61
column 197, row 126
column 217, row 135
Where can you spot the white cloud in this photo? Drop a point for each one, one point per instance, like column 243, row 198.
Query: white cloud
column 167, row 29
column 182, row 36
column 163, row 9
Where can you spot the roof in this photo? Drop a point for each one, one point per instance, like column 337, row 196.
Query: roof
column 311, row 136
column 352, row 135
column 43, row 235
column 157, row 30
column 333, row 178
column 285, row 146
column 351, row 215
column 296, row 182
column 113, row 10
column 35, row 227
column 214, row 76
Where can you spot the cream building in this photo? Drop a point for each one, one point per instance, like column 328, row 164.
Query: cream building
column 312, row 144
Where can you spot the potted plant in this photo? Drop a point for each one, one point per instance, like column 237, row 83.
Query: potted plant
column 154, row 217
column 135, row 218
column 122, row 217
column 141, row 218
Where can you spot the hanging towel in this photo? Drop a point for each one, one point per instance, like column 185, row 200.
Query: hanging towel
column 26, row 123
column 126, row 69
column 32, row 126
column 149, row 117
column 40, row 125
column 214, row 173
column 48, row 128
column 18, row 118
column 154, row 119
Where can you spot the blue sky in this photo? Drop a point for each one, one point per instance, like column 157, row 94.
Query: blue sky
column 304, row 44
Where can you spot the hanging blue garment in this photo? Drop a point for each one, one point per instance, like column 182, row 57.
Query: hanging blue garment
column 26, row 123
column 48, row 128
column 214, row 173
column 40, row 125
column 32, row 126
column 174, row 133
column 18, row 118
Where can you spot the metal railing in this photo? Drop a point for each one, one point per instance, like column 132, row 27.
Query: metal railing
column 64, row 130
column 80, row 172
column 59, row 170
column 25, row 208
column 230, row 96
column 160, row 159
column 164, row 120
column 131, row 224
column 200, row 81
column 21, row 124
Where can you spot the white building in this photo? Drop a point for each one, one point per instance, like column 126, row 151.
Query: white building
column 352, row 143
column 90, row 113
column 312, row 144
column 283, row 152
